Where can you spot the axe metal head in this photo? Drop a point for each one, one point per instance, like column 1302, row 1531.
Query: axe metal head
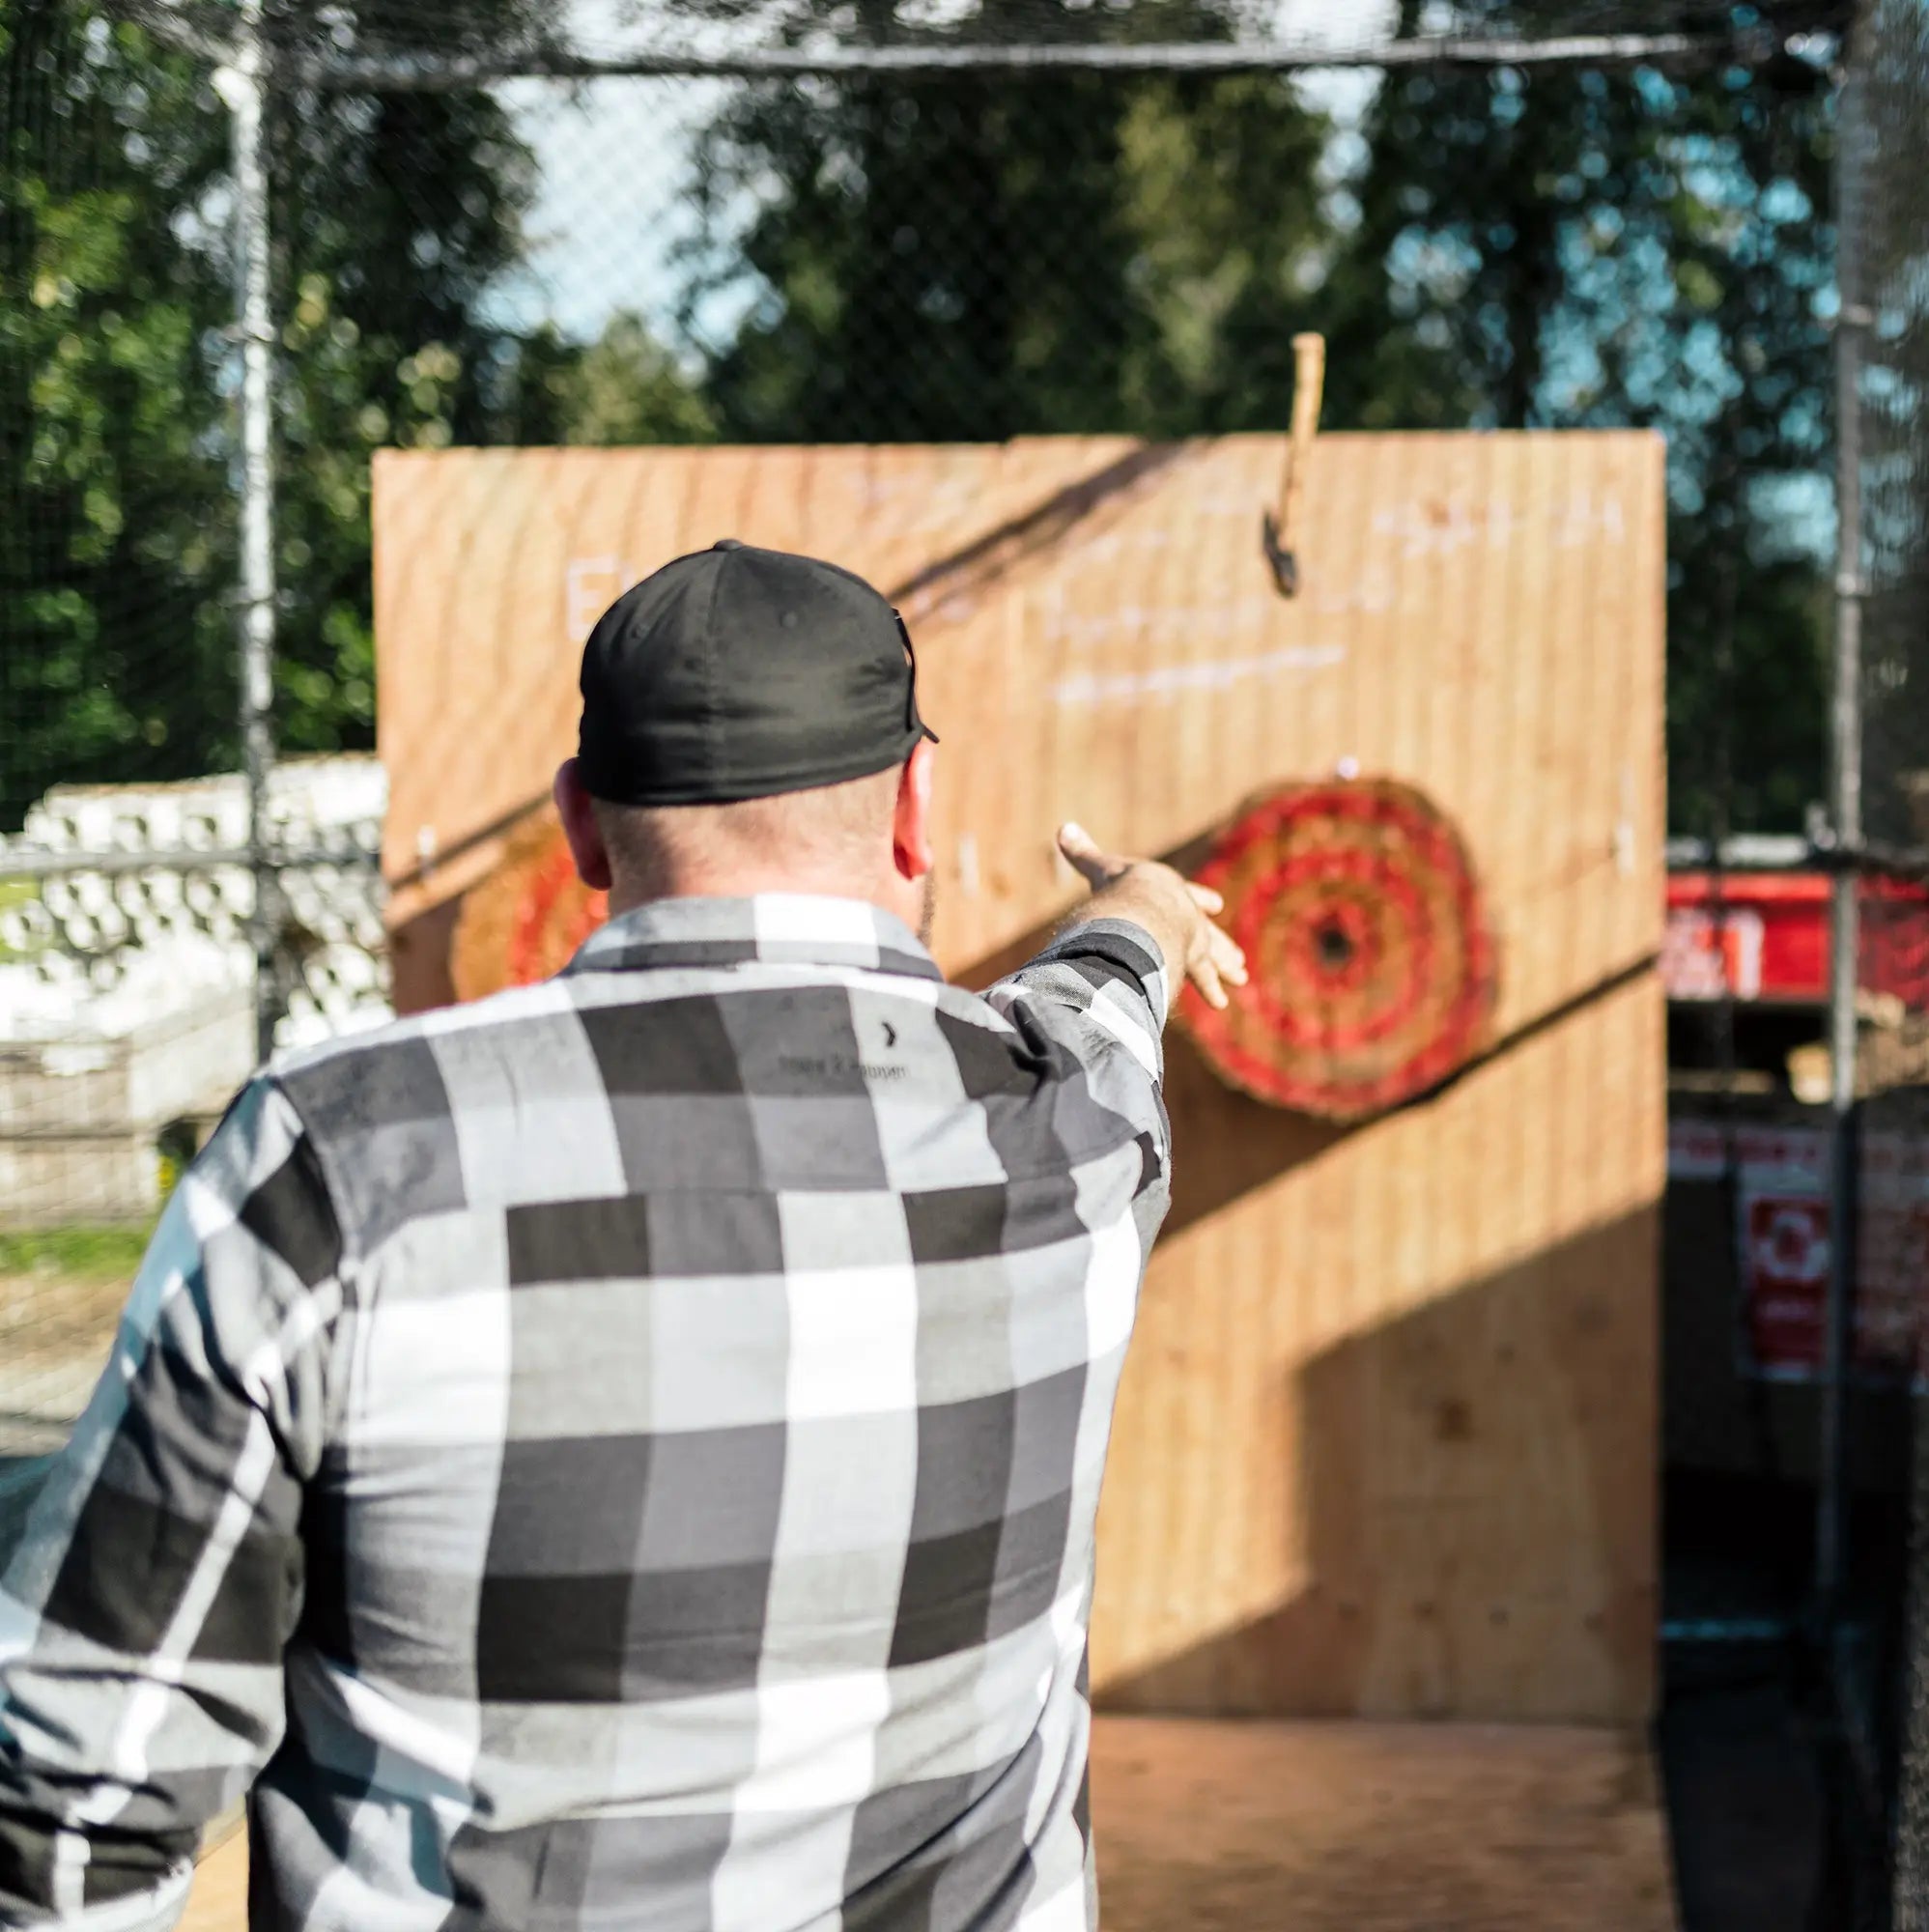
column 1284, row 563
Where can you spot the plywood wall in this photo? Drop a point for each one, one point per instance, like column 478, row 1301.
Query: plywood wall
column 1387, row 1439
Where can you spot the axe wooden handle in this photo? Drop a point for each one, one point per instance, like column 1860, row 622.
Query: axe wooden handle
column 1309, row 380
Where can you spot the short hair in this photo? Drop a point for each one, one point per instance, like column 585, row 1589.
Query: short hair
column 825, row 828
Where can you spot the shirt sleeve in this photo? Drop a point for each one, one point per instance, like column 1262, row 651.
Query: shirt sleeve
column 1100, row 989
column 143, row 1618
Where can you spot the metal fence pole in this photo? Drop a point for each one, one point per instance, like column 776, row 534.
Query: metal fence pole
column 1895, row 230
column 1846, row 812
column 244, row 85
column 1908, row 1900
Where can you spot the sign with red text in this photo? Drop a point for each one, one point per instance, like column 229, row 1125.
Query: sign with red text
column 1785, row 1249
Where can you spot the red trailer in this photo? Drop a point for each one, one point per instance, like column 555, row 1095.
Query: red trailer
column 1762, row 936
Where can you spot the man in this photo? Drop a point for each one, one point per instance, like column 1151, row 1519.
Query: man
column 625, row 1454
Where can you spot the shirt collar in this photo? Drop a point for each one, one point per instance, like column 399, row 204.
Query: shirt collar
column 787, row 928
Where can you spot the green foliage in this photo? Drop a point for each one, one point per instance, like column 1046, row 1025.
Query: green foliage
column 116, row 527
column 394, row 219
column 1575, row 250
column 944, row 256
column 82, row 1255
column 397, row 217
column 624, row 388
column 392, row 215
column 15, row 892
column 967, row 256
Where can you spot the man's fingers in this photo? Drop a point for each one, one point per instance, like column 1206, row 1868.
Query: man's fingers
column 1228, row 958
column 1218, row 963
column 1180, row 910
column 1205, row 977
column 1083, row 856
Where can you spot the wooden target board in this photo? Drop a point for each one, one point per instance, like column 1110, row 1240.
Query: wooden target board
column 1386, row 1441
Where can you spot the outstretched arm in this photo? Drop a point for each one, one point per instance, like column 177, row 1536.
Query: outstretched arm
column 1101, row 993
column 1164, row 903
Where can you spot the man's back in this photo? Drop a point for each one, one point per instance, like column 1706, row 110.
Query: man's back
column 626, row 1455
column 686, row 1388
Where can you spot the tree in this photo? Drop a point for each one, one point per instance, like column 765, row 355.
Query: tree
column 117, row 550
column 116, row 528
column 398, row 217
column 953, row 255
column 956, row 256
column 393, row 217
column 947, row 255
column 623, row 388
column 1573, row 249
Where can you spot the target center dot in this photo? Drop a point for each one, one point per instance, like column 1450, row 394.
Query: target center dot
column 1334, row 946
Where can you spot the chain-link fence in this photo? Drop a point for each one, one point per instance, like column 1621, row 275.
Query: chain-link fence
column 1883, row 1671
column 506, row 223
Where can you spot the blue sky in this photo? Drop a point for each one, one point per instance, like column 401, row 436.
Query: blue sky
column 615, row 155
column 612, row 206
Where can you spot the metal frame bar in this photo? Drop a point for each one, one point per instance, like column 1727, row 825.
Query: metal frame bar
column 242, row 84
column 215, row 859
column 443, row 73
column 1845, row 836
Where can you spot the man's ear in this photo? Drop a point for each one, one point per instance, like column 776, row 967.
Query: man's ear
column 578, row 812
column 911, row 826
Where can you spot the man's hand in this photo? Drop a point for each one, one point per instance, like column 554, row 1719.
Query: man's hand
column 1167, row 904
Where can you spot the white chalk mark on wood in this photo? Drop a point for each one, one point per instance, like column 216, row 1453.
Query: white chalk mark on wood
column 1445, row 525
column 1375, row 592
column 1176, row 623
column 1128, row 687
column 590, row 586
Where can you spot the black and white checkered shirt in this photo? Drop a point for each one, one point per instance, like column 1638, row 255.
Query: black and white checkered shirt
column 621, row 1454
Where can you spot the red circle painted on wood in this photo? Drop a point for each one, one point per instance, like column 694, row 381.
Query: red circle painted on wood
column 1372, row 962
column 554, row 916
column 525, row 921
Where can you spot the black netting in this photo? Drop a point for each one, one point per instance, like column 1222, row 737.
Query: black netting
column 116, row 511
column 940, row 254
column 516, row 221
column 490, row 222
column 926, row 253
column 1892, row 286
column 1887, row 280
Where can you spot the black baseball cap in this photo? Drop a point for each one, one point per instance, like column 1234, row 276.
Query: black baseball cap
column 738, row 672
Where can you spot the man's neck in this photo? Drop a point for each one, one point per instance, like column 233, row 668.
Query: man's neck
column 629, row 896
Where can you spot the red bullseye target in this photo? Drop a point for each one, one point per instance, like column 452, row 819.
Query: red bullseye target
column 555, row 914
column 524, row 922
column 1372, row 960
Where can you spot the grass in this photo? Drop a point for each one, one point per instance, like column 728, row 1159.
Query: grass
column 13, row 893
column 82, row 1256
column 62, row 1290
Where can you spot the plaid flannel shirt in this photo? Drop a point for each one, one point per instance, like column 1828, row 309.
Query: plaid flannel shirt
column 623, row 1454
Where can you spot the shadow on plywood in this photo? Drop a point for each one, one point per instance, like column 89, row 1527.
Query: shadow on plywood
column 1464, row 1514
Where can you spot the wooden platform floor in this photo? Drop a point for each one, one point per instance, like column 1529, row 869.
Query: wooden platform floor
column 1333, row 1828
column 1376, row 1828
column 219, row 1900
